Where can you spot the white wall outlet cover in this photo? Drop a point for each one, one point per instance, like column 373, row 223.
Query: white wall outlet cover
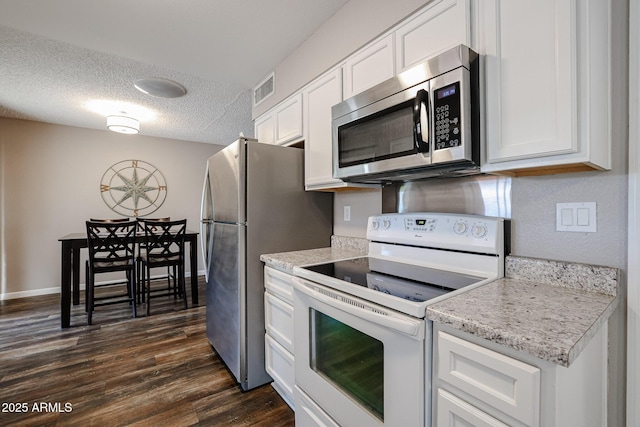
column 347, row 213
column 576, row 217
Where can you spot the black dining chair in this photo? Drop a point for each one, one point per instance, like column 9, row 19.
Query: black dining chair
column 163, row 247
column 171, row 271
column 110, row 283
column 111, row 249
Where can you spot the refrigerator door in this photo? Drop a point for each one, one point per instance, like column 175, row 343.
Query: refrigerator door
column 227, row 183
column 225, row 296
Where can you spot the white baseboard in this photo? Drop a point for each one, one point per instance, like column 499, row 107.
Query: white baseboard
column 55, row 290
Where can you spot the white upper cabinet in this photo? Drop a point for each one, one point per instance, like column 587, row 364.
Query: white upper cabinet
column 369, row 66
column 547, row 85
column 443, row 24
column 318, row 98
column 282, row 124
column 264, row 128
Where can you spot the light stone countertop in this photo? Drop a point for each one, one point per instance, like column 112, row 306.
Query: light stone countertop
column 341, row 248
column 548, row 309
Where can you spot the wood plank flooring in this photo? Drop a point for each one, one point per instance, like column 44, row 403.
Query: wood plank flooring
column 149, row 371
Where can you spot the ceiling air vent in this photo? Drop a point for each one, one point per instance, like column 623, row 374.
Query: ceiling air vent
column 264, row 89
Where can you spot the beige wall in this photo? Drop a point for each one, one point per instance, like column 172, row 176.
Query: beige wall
column 350, row 28
column 50, row 184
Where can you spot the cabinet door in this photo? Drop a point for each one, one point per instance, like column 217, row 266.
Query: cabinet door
column 264, row 128
column 279, row 320
column 530, row 91
column 454, row 412
column 318, row 99
column 547, row 75
column 279, row 363
column 443, row 24
column 511, row 386
column 368, row 67
column 288, row 120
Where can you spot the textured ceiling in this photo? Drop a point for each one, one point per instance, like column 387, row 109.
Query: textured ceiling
column 58, row 58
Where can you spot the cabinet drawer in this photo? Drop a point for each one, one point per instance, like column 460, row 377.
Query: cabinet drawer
column 504, row 383
column 279, row 364
column 278, row 317
column 453, row 411
column 279, row 284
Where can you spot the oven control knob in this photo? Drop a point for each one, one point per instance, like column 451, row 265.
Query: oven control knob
column 479, row 230
column 386, row 224
column 375, row 225
column 460, row 227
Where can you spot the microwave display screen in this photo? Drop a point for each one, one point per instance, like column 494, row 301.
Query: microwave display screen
column 450, row 90
column 447, row 123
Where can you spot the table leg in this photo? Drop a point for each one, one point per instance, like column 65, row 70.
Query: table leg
column 65, row 286
column 75, row 262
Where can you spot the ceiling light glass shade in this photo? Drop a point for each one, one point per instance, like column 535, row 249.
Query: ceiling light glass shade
column 123, row 124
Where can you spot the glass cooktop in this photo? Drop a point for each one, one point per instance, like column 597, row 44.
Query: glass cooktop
column 410, row 282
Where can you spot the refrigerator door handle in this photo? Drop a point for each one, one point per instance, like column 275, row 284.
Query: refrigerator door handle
column 205, row 211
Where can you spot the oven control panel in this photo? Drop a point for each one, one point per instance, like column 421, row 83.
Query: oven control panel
column 438, row 230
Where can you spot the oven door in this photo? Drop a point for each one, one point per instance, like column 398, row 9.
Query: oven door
column 362, row 364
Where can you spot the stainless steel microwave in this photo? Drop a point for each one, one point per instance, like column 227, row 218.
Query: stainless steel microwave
column 422, row 123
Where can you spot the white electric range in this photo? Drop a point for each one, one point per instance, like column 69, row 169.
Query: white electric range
column 362, row 343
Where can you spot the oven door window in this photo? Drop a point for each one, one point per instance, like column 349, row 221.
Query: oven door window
column 350, row 359
column 379, row 136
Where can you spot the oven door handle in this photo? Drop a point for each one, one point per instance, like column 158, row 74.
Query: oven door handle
column 361, row 309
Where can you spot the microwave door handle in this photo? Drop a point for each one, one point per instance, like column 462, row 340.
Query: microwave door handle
column 420, row 132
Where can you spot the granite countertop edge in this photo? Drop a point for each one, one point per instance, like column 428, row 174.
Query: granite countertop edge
column 547, row 349
column 533, row 314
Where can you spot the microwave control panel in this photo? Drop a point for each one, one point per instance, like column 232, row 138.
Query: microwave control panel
column 447, row 123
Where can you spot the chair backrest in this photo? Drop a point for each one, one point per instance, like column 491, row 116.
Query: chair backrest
column 142, row 220
column 110, row 220
column 164, row 241
column 111, row 244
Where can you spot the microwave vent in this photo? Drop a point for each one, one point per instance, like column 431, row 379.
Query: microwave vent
column 264, row 90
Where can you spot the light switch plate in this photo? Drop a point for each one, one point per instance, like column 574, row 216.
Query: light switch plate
column 577, row 217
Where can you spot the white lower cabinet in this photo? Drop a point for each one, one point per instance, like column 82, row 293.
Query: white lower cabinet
column 481, row 383
column 278, row 309
column 280, row 365
column 506, row 384
column 454, row 412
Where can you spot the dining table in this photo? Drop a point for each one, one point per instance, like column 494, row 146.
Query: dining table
column 70, row 282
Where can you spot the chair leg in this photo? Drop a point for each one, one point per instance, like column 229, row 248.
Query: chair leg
column 86, row 287
column 148, row 284
column 90, row 298
column 132, row 286
column 183, row 288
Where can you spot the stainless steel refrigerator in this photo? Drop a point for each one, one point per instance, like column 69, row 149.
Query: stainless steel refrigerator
column 253, row 203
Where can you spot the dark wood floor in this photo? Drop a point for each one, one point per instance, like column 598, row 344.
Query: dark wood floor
column 149, row 371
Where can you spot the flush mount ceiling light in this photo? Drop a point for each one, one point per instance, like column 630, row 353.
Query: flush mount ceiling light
column 162, row 88
column 123, row 124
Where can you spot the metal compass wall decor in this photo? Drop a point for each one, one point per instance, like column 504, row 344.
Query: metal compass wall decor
column 133, row 188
